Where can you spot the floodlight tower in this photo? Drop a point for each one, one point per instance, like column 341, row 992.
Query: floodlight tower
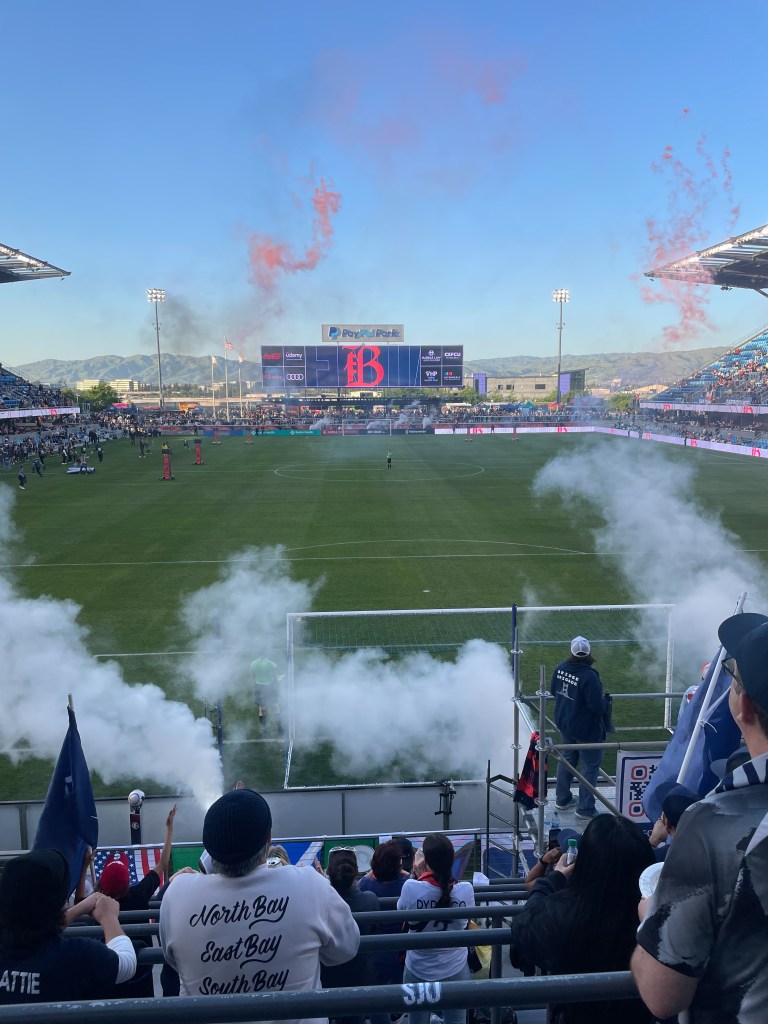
column 560, row 295
column 157, row 295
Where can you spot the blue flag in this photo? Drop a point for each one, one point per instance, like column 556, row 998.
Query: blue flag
column 713, row 743
column 68, row 822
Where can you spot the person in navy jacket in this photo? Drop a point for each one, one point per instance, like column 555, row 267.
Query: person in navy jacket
column 578, row 694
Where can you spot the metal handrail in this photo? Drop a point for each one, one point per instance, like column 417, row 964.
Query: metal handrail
column 400, row 940
column 375, row 916
column 518, row 993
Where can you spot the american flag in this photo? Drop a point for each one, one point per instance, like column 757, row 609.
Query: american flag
column 228, row 345
column 139, row 862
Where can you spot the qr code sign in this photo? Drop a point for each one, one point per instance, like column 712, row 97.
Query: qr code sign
column 639, row 777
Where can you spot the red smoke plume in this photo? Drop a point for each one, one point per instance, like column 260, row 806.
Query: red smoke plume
column 450, row 106
column 268, row 256
column 692, row 193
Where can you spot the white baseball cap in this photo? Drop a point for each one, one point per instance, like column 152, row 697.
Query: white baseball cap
column 580, row 646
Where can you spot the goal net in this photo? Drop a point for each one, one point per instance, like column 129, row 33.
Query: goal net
column 631, row 645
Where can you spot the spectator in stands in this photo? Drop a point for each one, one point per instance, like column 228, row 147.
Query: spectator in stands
column 39, row 965
column 277, row 857
column 386, row 879
column 675, row 801
column 342, row 874
column 115, row 881
column 582, row 917
column 578, row 694
column 407, row 851
column 550, row 858
column 436, row 888
column 212, row 926
column 702, row 946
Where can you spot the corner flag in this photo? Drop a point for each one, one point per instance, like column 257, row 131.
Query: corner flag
column 68, row 822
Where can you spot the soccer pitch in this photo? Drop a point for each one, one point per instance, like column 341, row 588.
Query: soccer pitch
column 452, row 524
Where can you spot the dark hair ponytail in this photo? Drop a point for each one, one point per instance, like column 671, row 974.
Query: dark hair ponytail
column 438, row 854
column 342, row 871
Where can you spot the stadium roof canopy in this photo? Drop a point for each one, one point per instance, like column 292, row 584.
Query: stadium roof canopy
column 740, row 262
column 17, row 266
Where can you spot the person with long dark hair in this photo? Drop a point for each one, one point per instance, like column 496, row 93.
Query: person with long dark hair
column 342, row 874
column 436, row 888
column 582, row 917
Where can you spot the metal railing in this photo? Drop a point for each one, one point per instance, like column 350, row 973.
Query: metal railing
column 518, row 993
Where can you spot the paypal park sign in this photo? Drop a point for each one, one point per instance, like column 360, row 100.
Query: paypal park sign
column 348, row 334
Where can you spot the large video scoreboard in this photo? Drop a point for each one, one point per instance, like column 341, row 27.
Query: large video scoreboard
column 362, row 366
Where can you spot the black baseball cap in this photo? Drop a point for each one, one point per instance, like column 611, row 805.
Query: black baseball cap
column 745, row 638
column 676, row 802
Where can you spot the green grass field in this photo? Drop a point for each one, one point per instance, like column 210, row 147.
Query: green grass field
column 454, row 524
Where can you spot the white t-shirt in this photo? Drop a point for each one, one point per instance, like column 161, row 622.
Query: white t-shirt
column 266, row 932
column 435, row 964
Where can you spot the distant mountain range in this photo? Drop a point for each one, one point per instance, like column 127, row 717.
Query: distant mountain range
column 625, row 369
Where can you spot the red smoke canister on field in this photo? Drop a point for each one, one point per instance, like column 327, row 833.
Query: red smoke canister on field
column 198, row 454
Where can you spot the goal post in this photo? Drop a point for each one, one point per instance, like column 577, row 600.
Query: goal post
column 632, row 644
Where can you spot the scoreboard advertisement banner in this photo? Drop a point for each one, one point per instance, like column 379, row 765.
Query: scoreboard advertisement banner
column 362, row 366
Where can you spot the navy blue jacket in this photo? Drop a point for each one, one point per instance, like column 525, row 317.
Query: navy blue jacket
column 578, row 695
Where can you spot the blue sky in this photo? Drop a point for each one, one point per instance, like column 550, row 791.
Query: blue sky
column 483, row 154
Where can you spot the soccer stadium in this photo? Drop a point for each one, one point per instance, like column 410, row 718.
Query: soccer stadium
column 359, row 618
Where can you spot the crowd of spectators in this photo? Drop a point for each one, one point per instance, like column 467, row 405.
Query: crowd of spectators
column 66, row 444
column 698, row 426
column 249, row 921
column 738, row 377
column 18, row 393
column 581, row 916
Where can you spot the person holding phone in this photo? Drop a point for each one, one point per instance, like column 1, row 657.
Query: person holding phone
column 558, row 845
column 581, row 918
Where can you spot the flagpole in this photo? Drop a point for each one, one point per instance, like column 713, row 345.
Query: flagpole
column 226, row 380
column 240, row 382
column 213, row 393
column 699, row 724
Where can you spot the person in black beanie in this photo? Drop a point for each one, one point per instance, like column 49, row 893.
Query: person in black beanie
column 247, row 928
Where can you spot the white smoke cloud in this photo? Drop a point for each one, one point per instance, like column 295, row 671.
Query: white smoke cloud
column 373, row 709
column 127, row 731
column 435, row 716
column 664, row 546
column 241, row 617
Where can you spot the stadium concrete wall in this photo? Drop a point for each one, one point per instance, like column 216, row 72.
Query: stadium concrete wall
column 304, row 813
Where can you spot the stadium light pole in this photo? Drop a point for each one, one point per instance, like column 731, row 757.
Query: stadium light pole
column 157, row 295
column 560, row 295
